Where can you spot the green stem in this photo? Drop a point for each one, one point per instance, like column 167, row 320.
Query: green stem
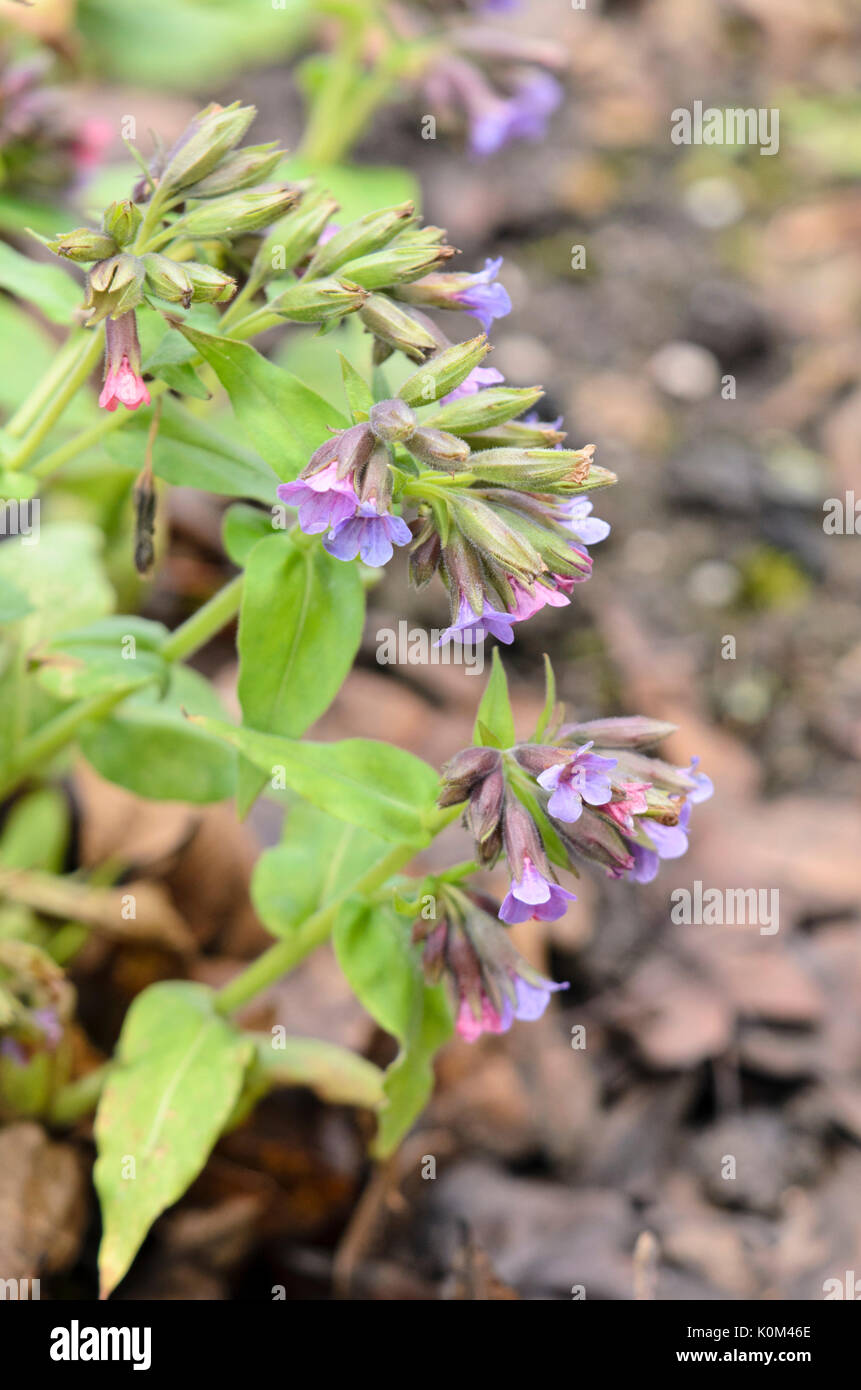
column 78, row 1098
column 86, row 357
column 58, row 732
column 197, row 630
column 28, row 412
column 284, row 955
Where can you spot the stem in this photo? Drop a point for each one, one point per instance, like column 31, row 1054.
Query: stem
column 87, row 356
column 197, row 630
column 28, row 412
column 78, row 1098
column 58, row 732
column 284, row 955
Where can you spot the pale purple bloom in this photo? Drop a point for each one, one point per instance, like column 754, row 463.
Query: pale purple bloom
column 490, row 621
column 670, row 841
column 576, row 515
column 530, row 1002
column 705, row 786
column 522, row 116
column 478, row 378
column 533, row 895
column 583, row 778
column 369, row 533
column 324, row 500
column 483, row 298
column 51, row 1027
column 13, row 1051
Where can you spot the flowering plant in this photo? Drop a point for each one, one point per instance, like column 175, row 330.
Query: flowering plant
column 447, row 463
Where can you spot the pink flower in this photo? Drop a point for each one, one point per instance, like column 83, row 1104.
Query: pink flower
column 631, row 803
column 123, row 386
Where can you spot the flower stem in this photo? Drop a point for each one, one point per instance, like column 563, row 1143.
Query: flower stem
column 78, row 1098
column 54, row 399
column 284, row 955
column 197, row 630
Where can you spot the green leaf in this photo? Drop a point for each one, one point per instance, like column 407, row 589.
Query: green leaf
column 182, row 378
column 320, row 860
column 373, row 948
column 110, row 653
column 337, row 1075
column 44, row 284
column 14, row 604
column 178, row 1074
column 189, row 452
column 63, row 578
column 359, row 190
column 242, row 527
column 148, row 745
column 494, row 712
column 284, row 419
column 300, row 626
column 390, row 792
column 549, row 701
column 36, row 832
column 359, row 394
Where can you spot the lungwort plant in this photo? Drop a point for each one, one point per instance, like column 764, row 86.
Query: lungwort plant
column 422, row 448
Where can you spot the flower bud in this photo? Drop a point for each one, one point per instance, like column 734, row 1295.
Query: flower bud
column 491, row 533
column 121, row 221
column 241, row 169
column 521, row 838
column 395, row 265
column 515, row 434
column 392, row 421
column 167, row 279
column 397, row 329
column 115, row 286
column 82, row 245
column 208, row 285
column 361, row 238
column 239, row 212
column 315, row 301
column 444, row 371
column 289, row 241
column 439, row 450
column 425, row 557
column 464, row 770
column 634, row 731
column 592, row 837
column 485, row 806
column 211, row 135
column 493, row 406
column 536, row 470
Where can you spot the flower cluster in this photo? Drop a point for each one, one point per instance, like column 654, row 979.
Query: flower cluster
column 501, row 84
column 492, row 982
column 498, row 508
column 592, row 794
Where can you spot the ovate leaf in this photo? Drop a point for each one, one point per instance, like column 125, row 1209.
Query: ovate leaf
column 177, row 1076
column 282, row 417
column 386, row 790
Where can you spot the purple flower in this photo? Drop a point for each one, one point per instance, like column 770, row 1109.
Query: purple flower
column 478, row 378
column 13, row 1051
column 522, row 116
column 324, row 500
column 533, row 895
column 669, row 841
column 369, row 533
column 583, row 778
column 575, row 514
column 484, row 299
column 490, row 621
